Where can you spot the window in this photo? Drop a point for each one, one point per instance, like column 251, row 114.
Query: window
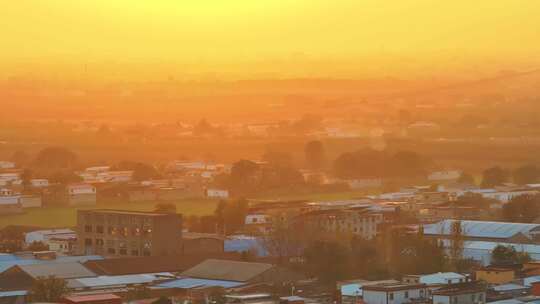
column 100, row 242
column 88, row 242
column 146, row 253
column 123, row 251
column 99, row 229
column 406, row 294
column 454, row 300
column 111, row 251
column 87, row 228
column 481, row 297
column 134, row 252
column 391, row 296
column 473, row 297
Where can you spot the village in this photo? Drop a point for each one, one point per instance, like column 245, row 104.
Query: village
column 440, row 238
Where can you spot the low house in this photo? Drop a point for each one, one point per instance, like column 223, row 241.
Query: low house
column 39, row 182
column 217, row 193
column 446, row 175
column 238, row 271
column 92, row 299
column 81, row 194
column 395, row 293
column 151, row 264
column 4, row 164
column 464, row 293
column 440, row 278
column 45, row 235
column 351, row 291
column 21, row 277
column 495, row 275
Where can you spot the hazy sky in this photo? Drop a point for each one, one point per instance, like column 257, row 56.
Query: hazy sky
column 251, row 37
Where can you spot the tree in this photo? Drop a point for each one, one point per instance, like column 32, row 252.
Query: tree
column 527, row 174
column 494, row 176
column 64, row 177
column 284, row 240
column 20, row 158
column 508, row 255
column 141, row 171
column 234, row 216
column 244, row 177
column 456, row 242
column 315, row 154
column 165, row 208
column 55, row 158
column 277, row 158
column 48, row 289
column 522, row 209
column 466, row 178
column 26, row 178
column 328, row 261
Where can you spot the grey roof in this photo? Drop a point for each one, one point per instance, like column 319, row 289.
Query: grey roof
column 118, row 281
column 441, row 278
column 59, row 270
column 509, row 287
column 227, row 270
column 481, row 228
column 10, row 260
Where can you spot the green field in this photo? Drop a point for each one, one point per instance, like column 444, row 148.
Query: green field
column 66, row 216
column 56, row 217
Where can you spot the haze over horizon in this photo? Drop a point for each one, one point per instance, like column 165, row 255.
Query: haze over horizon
column 122, row 40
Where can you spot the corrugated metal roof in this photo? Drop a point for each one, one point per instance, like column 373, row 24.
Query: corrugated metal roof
column 441, row 278
column 193, row 283
column 10, row 260
column 59, row 270
column 481, row 228
column 121, row 280
column 227, row 270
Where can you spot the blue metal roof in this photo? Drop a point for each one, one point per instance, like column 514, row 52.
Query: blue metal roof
column 193, row 283
column 245, row 244
column 15, row 293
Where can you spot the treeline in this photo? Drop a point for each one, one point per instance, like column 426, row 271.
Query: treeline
column 369, row 163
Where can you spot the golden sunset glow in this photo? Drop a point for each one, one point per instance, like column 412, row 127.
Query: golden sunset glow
column 246, row 38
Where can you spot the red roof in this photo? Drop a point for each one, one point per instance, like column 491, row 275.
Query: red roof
column 89, row 298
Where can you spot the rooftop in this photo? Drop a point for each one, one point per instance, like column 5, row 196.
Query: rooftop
column 227, row 270
column 481, row 228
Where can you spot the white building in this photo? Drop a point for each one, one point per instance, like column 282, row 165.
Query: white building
column 442, row 278
column 397, row 293
column 447, row 175
column 81, row 194
column 364, row 183
column 217, row 193
column 6, row 164
column 39, row 182
column 46, row 235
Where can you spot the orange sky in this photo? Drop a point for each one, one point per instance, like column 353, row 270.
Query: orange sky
column 247, row 38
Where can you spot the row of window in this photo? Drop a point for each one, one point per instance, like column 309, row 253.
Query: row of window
column 121, row 231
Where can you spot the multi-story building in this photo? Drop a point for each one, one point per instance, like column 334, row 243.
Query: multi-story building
column 358, row 221
column 128, row 233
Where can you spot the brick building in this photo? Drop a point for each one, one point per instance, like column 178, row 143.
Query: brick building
column 128, row 233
